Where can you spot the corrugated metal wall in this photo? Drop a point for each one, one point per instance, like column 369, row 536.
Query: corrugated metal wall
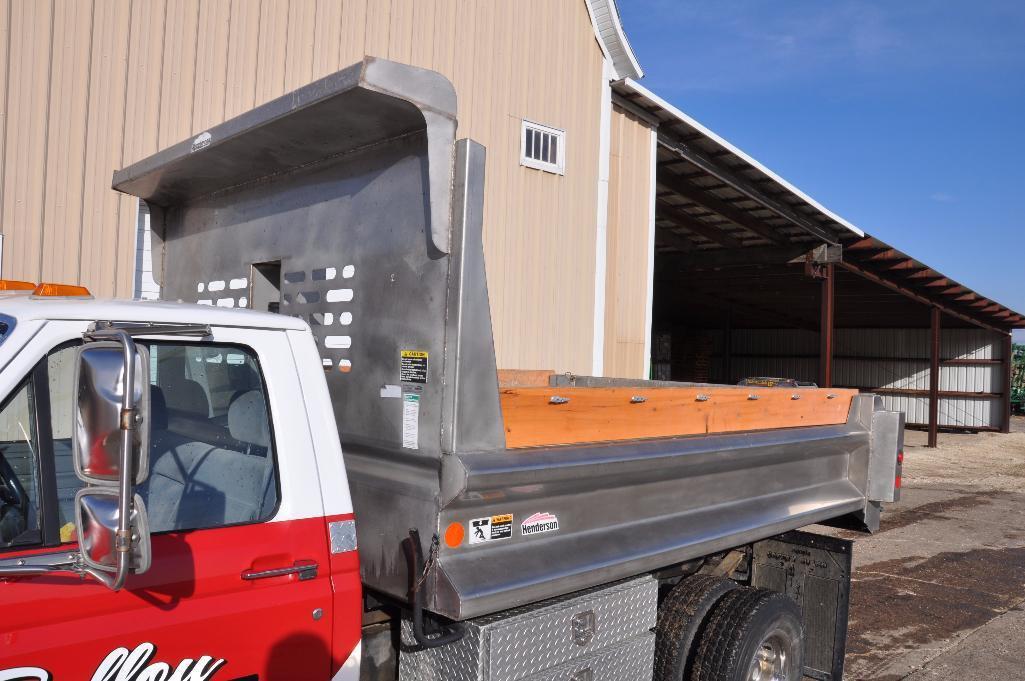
column 89, row 86
column 883, row 358
column 629, row 251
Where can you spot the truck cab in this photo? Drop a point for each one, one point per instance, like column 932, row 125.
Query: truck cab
column 256, row 572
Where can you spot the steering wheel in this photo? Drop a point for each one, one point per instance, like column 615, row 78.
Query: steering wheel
column 14, row 504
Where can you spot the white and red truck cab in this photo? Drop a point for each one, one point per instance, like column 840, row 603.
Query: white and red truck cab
column 174, row 501
column 255, row 572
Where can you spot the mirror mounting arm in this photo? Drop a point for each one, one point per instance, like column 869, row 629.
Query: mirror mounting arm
column 75, row 567
column 125, row 496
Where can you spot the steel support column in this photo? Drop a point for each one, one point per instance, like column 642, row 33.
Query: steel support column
column 826, row 328
column 934, row 379
column 1005, row 427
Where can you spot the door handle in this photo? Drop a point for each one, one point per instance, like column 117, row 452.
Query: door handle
column 306, row 569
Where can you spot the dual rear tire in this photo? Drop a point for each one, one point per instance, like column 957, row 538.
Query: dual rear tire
column 712, row 629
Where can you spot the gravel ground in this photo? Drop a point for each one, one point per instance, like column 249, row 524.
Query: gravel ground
column 939, row 592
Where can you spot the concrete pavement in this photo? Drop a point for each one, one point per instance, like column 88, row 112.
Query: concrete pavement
column 939, row 592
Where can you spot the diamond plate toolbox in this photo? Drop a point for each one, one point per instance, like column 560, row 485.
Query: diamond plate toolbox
column 606, row 632
column 629, row 661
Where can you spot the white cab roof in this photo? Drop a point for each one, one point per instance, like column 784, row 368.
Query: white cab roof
column 25, row 307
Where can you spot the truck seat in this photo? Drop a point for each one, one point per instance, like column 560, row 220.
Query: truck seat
column 193, row 484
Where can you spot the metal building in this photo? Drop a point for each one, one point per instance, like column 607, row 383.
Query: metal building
column 756, row 279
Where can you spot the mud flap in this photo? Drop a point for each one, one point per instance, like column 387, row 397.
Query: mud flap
column 815, row 571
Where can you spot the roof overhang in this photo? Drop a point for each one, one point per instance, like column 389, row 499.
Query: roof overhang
column 675, row 127
column 887, row 266
column 718, row 207
column 608, row 29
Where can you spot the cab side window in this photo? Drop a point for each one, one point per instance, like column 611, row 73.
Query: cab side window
column 19, row 471
column 211, row 447
column 212, row 460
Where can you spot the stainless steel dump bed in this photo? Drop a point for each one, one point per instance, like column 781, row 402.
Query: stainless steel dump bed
column 349, row 203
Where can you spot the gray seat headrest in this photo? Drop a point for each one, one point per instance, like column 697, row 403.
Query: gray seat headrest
column 247, row 419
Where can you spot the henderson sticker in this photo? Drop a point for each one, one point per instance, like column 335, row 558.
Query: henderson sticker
column 412, row 366
column 538, row 524
column 491, row 528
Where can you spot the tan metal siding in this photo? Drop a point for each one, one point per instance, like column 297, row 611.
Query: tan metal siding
column 69, row 83
column 25, row 148
column 213, row 27
column 101, row 235
column 178, row 80
column 627, row 271
column 97, row 84
column 270, row 57
column 327, row 38
column 143, row 98
column 243, row 42
column 299, row 47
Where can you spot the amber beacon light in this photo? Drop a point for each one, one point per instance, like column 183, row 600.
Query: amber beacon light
column 47, row 290
column 15, row 285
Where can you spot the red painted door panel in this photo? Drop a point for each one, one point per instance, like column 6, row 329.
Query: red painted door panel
column 193, row 608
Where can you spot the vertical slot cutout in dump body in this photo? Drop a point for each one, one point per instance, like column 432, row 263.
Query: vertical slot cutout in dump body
column 265, row 294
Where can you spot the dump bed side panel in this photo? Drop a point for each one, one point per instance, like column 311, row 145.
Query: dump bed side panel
column 580, row 516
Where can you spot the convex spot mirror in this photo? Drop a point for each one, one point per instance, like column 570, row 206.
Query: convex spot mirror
column 98, row 411
column 96, row 518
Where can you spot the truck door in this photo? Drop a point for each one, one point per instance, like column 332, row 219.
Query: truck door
column 240, row 584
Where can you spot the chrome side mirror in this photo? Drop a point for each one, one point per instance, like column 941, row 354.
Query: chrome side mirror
column 111, row 455
column 97, row 521
column 100, row 380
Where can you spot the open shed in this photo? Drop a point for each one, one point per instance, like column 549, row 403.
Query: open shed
column 753, row 278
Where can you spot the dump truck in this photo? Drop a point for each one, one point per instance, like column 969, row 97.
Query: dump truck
column 305, row 462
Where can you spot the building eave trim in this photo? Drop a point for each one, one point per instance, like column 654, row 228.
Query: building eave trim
column 608, row 29
column 671, row 112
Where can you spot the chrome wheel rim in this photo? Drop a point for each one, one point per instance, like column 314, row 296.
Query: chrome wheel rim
column 773, row 658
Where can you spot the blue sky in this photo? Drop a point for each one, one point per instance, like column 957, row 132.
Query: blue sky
column 905, row 117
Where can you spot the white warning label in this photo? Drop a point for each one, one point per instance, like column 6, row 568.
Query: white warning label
column 491, row 528
column 410, row 421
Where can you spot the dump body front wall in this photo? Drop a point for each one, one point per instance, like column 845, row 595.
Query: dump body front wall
column 345, row 268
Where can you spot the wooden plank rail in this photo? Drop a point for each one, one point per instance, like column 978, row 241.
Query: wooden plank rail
column 539, row 416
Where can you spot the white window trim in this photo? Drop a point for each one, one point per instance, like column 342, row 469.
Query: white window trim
column 557, row 168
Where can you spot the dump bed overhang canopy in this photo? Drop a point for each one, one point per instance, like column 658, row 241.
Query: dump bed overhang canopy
column 717, row 207
column 358, row 107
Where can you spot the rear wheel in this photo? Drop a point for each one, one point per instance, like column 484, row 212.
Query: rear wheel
column 751, row 635
column 679, row 620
